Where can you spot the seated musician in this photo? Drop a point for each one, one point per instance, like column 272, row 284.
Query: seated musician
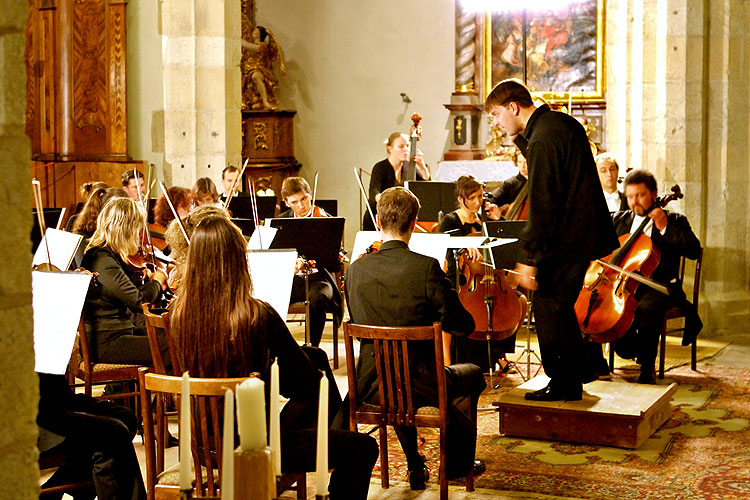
column 205, row 193
column 390, row 171
column 228, row 177
column 462, row 222
column 84, row 192
column 671, row 234
column 509, row 189
column 222, row 331
column 397, row 287
column 114, row 321
column 608, row 169
column 131, row 186
column 324, row 293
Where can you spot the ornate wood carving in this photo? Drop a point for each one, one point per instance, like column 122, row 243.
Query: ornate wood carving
column 89, row 79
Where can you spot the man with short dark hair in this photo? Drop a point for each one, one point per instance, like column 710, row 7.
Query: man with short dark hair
column 608, row 170
column 397, row 287
column 131, row 186
column 568, row 227
column 671, row 234
column 228, row 178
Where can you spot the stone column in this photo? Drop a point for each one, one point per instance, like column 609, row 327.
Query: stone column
column 675, row 83
column 201, row 56
column 19, row 393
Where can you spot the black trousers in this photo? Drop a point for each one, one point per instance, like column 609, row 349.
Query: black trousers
column 321, row 298
column 464, row 383
column 99, row 439
column 641, row 341
column 560, row 340
column 127, row 346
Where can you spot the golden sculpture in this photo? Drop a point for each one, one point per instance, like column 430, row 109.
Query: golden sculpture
column 260, row 51
column 496, row 150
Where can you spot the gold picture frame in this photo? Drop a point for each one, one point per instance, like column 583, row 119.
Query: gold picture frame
column 564, row 62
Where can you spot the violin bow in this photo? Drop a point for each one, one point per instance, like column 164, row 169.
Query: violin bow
column 36, row 188
column 364, row 195
column 315, row 192
column 225, row 204
column 174, row 211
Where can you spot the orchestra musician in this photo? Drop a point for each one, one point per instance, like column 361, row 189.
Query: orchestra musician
column 228, row 178
column 84, row 192
column 324, row 294
column 390, row 171
column 222, row 331
column 131, row 186
column 608, row 169
column 669, row 232
column 568, row 227
column 114, row 321
column 205, row 193
column 182, row 199
column 506, row 194
column 397, row 287
column 462, row 222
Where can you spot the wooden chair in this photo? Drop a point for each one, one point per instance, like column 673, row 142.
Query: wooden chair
column 674, row 313
column 207, row 398
column 394, row 387
column 102, row 373
column 53, row 460
column 157, row 321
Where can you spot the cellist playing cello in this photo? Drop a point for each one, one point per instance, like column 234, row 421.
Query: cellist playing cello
column 568, row 226
column 671, row 234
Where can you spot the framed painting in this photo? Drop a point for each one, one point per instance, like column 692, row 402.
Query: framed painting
column 565, row 47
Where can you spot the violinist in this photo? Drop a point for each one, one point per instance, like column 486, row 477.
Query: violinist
column 222, row 331
column 669, row 232
column 324, row 294
column 568, row 227
column 84, row 192
column 114, row 321
column 397, row 287
column 205, row 193
column 228, row 177
column 390, row 172
column 608, row 170
column 85, row 223
column 131, row 186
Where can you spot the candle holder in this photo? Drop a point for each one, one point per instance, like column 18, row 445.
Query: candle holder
column 258, row 465
column 321, row 497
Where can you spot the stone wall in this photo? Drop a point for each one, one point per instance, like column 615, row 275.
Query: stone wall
column 19, row 474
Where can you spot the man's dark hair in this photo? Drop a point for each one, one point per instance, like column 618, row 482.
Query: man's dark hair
column 511, row 90
column 397, row 209
column 230, row 169
column 130, row 174
column 641, row 177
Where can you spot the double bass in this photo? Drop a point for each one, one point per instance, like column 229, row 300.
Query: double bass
column 415, row 135
column 605, row 308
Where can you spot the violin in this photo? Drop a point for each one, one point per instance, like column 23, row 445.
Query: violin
column 605, row 307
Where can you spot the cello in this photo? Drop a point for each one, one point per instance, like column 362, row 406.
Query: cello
column 605, row 307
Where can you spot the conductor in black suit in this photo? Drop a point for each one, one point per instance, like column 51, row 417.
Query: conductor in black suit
column 568, row 226
column 671, row 234
column 397, row 287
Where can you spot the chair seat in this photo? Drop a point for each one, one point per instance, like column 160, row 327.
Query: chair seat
column 171, row 476
column 424, row 410
column 106, row 367
column 673, row 313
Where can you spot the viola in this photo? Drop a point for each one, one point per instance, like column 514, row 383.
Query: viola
column 605, row 308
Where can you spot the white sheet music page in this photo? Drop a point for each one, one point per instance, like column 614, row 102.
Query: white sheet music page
column 261, row 238
column 272, row 272
column 62, row 248
column 57, row 301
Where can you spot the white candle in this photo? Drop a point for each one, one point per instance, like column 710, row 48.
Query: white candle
column 227, row 467
column 251, row 409
column 275, row 433
column 185, row 479
column 321, row 472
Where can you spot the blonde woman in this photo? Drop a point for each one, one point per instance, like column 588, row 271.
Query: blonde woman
column 113, row 321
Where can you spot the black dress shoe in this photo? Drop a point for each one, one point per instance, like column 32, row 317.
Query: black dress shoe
column 647, row 376
column 551, row 393
column 479, row 467
column 418, row 478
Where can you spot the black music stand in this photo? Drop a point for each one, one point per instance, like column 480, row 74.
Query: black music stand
column 247, row 226
column 314, row 238
column 434, row 197
column 241, row 207
column 505, row 257
column 51, row 216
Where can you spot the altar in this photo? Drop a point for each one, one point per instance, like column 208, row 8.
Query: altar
column 482, row 170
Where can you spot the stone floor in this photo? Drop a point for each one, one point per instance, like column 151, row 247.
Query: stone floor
column 734, row 356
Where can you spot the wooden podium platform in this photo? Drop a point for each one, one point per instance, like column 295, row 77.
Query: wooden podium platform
column 611, row 413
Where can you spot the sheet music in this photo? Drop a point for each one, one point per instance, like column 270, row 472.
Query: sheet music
column 57, row 301
column 261, row 238
column 430, row 244
column 477, row 242
column 362, row 240
column 62, row 248
column 272, row 272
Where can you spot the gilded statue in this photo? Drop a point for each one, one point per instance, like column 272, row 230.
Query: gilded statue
column 260, row 51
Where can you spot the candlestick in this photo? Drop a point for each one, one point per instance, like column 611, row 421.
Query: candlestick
column 185, row 479
column 251, row 406
column 321, row 472
column 275, row 442
column 227, row 462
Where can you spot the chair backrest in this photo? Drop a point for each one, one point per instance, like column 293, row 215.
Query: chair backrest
column 83, row 365
column 207, row 406
column 391, row 349
column 157, row 321
column 697, row 276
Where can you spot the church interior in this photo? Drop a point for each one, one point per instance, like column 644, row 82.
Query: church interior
column 163, row 90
